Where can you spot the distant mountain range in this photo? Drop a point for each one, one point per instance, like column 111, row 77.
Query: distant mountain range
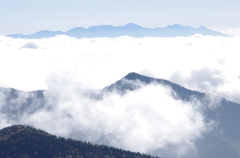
column 221, row 142
column 130, row 29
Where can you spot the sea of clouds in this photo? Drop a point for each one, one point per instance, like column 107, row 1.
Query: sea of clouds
column 203, row 63
column 146, row 120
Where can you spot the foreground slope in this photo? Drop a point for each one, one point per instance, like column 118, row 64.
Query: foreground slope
column 21, row 141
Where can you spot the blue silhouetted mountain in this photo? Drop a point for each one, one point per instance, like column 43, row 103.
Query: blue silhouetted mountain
column 222, row 141
column 130, row 29
column 38, row 35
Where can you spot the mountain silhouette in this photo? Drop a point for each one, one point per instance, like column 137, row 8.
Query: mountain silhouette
column 122, row 86
column 222, row 141
column 21, row 141
column 130, row 29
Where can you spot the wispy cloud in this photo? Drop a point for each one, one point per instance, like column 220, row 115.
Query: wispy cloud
column 198, row 62
column 147, row 120
column 30, row 45
column 233, row 32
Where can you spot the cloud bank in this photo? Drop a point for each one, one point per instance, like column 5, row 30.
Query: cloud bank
column 30, row 45
column 147, row 120
column 203, row 63
column 233, row 32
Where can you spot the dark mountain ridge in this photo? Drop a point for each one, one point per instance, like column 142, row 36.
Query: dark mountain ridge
column 222, row 141
column 122, row 86
column 21, row 141
column 130, row 29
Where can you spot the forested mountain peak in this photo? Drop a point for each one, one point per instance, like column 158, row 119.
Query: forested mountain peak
column 22, row 141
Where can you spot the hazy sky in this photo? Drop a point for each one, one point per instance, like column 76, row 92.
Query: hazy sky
column 26, row 16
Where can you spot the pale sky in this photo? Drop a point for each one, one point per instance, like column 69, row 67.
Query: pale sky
column 27, row 16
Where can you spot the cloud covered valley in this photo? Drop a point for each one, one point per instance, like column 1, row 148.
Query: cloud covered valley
column 147, row 119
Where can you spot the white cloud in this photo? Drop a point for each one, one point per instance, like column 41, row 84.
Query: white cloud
column 99, row 62
column 66, row 66
column 233, row 32
column 145, row 120
column 205, row 79
column 30, row 45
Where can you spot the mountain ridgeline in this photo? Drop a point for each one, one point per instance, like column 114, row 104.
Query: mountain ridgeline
column 20, row 141
column 221, row 142
column 130, row 29
column 224, row 139
column 123, row 85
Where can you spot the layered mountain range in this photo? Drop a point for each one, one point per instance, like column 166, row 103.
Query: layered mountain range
column 221, row 141
column 130, row 29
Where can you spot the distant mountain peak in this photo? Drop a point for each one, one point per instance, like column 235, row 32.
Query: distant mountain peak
column 132, row 25
column 130, row 29
column 174, row 26
column 133, row 76
column 202, row 27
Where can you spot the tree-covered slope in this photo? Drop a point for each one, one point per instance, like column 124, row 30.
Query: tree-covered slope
column 21, row 141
